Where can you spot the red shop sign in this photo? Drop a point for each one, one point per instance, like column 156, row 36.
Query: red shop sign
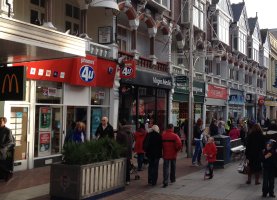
column 83, row 71
column 217, row 92
column 129, row 69
column 261, row 101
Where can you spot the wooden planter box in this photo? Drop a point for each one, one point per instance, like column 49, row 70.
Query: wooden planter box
column 84, row 181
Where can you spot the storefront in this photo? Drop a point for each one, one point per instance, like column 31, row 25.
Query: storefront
column 271, row 108
column 181, row 100
column 250, row 106
column 216, row 102
column 151, row 91
column 58, row 93
column 236, row 104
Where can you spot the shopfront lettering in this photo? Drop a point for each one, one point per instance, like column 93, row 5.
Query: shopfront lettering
column 84, row 60
column 161, row 81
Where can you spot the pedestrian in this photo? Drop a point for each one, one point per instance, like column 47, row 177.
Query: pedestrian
column 139, row 136
column 213, row 128
column 104, row 129
column 6, row 146
column 183, row 134
column 197, row 132
column 221, row 128
column 79, row 134
column 255, row 143
column 234, row 132
column 70, row 132
column 171, row 145
column 125, row 138
column 269, row 167
column 209, row 152
column 152, row 146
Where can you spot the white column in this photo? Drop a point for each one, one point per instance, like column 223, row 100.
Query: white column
column 170, row 99
column 204, row 114
column 114, row 101
column 170, row 105
column 254, row 79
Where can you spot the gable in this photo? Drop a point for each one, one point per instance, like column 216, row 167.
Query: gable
column 225, row 6
column 243, row 22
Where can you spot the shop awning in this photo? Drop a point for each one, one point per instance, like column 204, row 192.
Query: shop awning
column 104, row 3
column 21, row 42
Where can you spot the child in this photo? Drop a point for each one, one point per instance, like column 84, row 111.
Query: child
column 269, row 164
column 210, row 152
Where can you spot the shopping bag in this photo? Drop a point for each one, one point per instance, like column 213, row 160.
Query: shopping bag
column 243, row 166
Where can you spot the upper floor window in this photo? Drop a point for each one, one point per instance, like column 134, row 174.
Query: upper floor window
column 198, row 14
column 37, row 14
column 223, row 29
column 122, row 38
column 255, row 51
column 165, row 3
column 72, row 16
column 242, row 42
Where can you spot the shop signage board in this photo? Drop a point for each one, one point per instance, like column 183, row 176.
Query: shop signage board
column 83, row 71
column 128, row 70
column 217, row 92
column 12, row 83
column 105, row 35
column 236, row 99
column 198, row 88
column 150, row 79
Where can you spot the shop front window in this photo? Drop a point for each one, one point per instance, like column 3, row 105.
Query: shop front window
column 127, row 106
column 100, row 96
column 146, row 105
column 48, row 92
column 48, row 130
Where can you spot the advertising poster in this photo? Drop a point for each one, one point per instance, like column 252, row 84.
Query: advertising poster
column 44, row 144
column 96, row 115
column 45, row 120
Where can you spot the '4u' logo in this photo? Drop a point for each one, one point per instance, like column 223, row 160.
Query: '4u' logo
column 87, row 73
column 127, row 71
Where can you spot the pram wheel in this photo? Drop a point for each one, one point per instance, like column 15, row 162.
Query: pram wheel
column 137, row 177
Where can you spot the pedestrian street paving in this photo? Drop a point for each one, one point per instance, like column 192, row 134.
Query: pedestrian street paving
column 227, row 184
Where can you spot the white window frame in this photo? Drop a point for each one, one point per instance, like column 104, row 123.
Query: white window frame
column 72, row 20
column 242, row 42
column 223, row 29
column 39, row 9
column 198, row 14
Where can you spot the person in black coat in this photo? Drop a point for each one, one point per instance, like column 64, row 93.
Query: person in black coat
column 6, row 146
column 125, row 138
column 153, row 148
column 104, row 129
column 213, row 128
column 255, row 143
column 269, row 166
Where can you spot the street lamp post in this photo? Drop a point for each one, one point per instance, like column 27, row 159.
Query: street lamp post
column 191, row 72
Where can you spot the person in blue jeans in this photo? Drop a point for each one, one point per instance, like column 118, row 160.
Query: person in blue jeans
column 197, row 131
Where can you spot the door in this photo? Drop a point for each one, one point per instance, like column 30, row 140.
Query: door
column 75, row 114
column 19, row 126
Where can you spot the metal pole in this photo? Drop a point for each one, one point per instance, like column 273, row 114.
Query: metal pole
column 191, row 72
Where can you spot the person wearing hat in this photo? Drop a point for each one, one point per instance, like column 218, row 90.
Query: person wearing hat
column 269, row 166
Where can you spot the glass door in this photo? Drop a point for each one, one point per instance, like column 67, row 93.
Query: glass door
column 19, row 127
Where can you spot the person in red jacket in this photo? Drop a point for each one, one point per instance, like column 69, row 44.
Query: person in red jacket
column 171, row 145
column 234, row 132
column 139, row 136
column 210, row 152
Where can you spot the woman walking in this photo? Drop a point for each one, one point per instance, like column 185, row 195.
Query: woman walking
column 255, row 144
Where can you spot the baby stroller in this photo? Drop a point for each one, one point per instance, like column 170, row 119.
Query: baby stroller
column 133, row 170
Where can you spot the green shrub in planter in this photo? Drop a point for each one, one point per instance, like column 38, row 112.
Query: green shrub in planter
column 91, row 152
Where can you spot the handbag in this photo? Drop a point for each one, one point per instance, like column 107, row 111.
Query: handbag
column 243, row 166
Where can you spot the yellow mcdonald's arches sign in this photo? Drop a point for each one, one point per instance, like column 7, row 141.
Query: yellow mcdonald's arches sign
column 12, row 83
column 9, row 78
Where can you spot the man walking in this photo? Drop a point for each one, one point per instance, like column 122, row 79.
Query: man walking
column 104, row 129
column 6, row 143
column 171, row 145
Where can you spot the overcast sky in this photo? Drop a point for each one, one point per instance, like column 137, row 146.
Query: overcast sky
column 267, row 13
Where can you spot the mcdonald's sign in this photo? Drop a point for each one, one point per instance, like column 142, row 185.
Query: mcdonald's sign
column 12, row 83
